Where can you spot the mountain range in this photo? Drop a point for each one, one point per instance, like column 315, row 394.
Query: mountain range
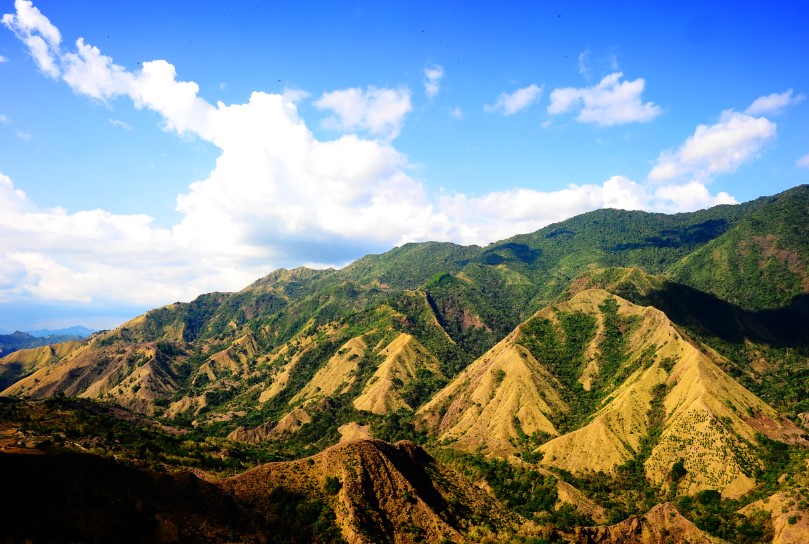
column 620, row 376
column 43, row 337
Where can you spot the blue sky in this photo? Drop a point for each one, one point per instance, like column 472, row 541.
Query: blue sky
column 153, row 151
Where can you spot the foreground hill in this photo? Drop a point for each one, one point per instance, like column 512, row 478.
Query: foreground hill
column 360, row 491
column 357, row 491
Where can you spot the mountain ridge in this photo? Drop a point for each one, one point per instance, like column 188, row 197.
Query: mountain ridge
column 584, row 350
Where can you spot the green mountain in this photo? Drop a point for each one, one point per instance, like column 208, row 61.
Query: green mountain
column 623, row 359
column 761, row 263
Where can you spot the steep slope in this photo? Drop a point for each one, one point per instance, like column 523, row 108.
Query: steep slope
column 674, row 404
column 762, row 262
column 635, row 389
column 494, row 402
column 21, row 363
column 406, row 361
column 337, row 375
column 660, row 525
column 789, row 513
column 380, row 492
column 136, row 375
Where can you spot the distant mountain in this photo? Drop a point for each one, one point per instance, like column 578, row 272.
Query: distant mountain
column 43, row 337
column 77, row 330
column 624, row 358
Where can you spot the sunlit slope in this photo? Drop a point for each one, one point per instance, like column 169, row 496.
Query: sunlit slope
column 405, row 362
column 666, row 400
column 614, row 383
column 21, row 363
column 504, row 393
column 135, row 376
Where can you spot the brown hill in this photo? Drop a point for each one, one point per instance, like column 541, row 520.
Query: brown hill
column 365, row 491
column 677, row 402
column 663, row 524
column 485, row 404
column 381, row 492
column 135, row 375
column 404, row 359
column 653, row 396
column 21, row 363
column 789, row 513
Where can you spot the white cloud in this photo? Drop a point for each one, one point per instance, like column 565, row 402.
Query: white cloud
column 3, row 59
column 690, row 196
column 610, row 102
column 774, row 103
column 37, row 32
column 277, row 195
column 509, row 104
column 497, row 215
column 120, row 123
column 715, row 149
column 90, row 73
column 803, row 162
column 432, row 80
column 5, row 119
column 381, row 112
column 78, row 257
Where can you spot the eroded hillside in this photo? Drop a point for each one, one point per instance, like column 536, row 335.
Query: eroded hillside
column 619, row 359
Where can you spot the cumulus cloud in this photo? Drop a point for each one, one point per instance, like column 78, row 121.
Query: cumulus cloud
column 380, row 112
column 432, row 80
column 78, row 257
column 689, row 196
column 610, row 102
column 715, row 149
column 509, row 104
column 274, row 187
column 277, row 196
column 774, row 103
column 500, row 214
column 803, row 162
column 37, row 32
